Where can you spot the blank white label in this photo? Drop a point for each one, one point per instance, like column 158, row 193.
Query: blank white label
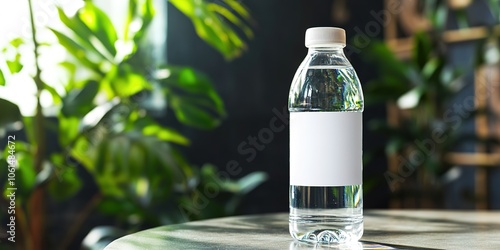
column 326, row 148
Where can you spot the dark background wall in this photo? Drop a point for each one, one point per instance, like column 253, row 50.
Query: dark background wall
column 257, row 83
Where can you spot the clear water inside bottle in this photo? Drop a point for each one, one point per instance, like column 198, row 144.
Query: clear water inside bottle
column 326, row 214
column 326, row 88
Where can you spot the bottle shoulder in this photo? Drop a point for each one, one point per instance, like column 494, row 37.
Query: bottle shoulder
column 327, row 58
column 325, row 81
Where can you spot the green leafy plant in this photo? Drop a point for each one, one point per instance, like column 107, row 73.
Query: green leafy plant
column 422, row 89
column 420, row 92
column 106, row 121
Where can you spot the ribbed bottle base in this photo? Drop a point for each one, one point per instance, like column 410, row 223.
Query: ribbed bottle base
column 326, row 230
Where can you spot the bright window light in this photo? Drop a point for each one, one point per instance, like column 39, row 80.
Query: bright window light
column 15, row 22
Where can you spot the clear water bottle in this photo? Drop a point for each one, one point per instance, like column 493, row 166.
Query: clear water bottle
column 326, row 105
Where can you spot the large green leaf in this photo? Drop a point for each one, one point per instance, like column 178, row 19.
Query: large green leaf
column 165, row 134
column 100, row 25
column 77, row 50
column 2, row 78
column 225, row 12
column 192, row 97
column 193, row 113
column 125, row 81
column 79, row 102
column 10, row 113
column 209, row 20
column 84, row 36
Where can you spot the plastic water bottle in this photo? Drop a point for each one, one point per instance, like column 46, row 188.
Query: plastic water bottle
column 326, row 105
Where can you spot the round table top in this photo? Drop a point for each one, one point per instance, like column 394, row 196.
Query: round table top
column 384, row 229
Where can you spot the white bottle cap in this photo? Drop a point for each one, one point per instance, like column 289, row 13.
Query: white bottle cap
column 325, row 37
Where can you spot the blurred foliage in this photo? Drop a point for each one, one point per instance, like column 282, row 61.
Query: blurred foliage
column 106, row 120
column 210, row 22
column 422, row 88
column 421, row 93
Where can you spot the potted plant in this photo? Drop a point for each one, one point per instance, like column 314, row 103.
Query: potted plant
column 106, row 123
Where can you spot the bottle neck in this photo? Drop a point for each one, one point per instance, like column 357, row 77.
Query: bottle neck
column 337, row 50
column 327, row 56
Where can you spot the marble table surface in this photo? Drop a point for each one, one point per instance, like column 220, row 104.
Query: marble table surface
column 384, row 229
